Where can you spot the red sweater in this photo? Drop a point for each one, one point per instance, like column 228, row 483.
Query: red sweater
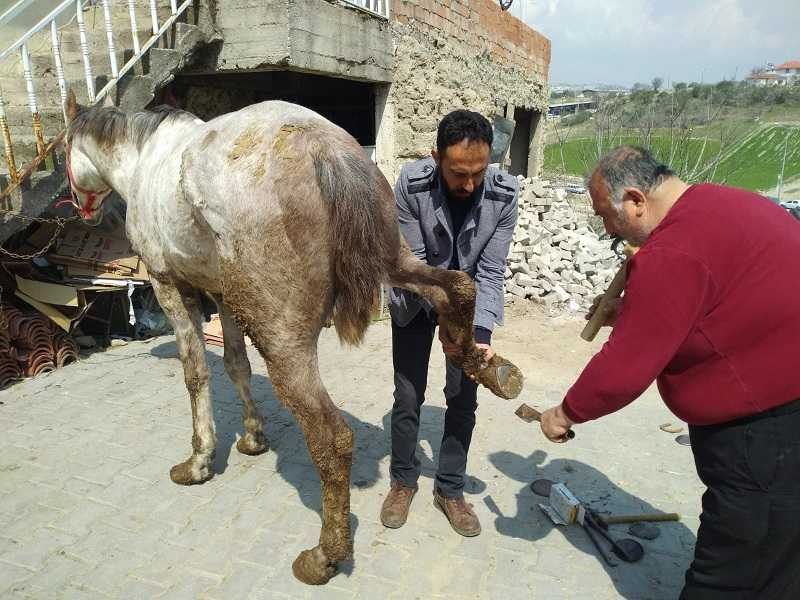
column 711, row 312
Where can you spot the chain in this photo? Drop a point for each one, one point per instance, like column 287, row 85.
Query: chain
column 59, row 228
column 60, row 222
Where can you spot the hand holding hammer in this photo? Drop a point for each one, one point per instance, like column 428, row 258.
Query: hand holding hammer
column 606, row 307
column 530, row 414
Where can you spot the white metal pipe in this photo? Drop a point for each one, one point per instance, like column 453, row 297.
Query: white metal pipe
column 35, row 29
column 134, row 32
column 28, row 75
column 112, row 56
column 87, row 65
column 154, row 16
column 14, row 11
column 62, row 84
column 173, row 4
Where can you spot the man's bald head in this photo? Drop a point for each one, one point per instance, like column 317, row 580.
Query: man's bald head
column 628, row 167
column 632, row 192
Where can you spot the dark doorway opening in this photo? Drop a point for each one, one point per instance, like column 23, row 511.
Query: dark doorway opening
column 349, row 104
column 521, row 142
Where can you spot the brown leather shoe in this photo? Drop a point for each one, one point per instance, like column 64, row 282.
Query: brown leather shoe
column 459, row 513
column 394, row 511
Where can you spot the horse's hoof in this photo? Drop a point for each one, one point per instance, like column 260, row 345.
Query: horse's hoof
column 252, row 444
column 502, row 377
column 312, row 567
column 189, row 473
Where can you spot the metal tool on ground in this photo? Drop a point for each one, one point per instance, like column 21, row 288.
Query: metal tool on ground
column 626, row 549
column 530, row 414
column 613, row 292
column 565, row 509
column 541, row 487
column 592, row 535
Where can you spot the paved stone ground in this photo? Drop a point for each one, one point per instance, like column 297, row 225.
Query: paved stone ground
column 87, row 509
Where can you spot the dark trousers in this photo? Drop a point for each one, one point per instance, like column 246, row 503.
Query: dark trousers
column 411, row 351
column 748, row 543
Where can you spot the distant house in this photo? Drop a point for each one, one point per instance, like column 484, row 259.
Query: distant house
column 790, row 68
column 784, row 74
column 766, row 79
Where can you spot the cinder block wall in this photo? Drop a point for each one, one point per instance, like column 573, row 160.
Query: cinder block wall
column 456, row 54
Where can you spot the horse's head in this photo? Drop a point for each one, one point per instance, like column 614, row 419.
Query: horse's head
column 87, row 186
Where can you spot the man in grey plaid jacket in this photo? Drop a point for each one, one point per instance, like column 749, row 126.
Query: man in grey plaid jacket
column 456, row 212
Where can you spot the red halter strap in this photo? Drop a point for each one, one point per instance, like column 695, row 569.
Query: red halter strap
column 91, row 195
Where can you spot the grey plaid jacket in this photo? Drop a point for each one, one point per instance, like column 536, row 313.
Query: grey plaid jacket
column 482, row 243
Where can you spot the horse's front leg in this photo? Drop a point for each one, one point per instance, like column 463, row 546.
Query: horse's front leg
column 183, row 309
column 452, row 294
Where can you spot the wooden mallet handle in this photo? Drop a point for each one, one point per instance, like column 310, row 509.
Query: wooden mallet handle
column 611, row 519
column 613, row 292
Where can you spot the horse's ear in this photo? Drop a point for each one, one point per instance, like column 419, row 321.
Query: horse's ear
column 72, row 108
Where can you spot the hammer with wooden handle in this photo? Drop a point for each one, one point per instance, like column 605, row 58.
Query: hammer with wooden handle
column 530, row 414
column 613, row 292
column 655, row 517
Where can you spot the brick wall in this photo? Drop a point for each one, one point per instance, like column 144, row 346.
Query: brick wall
column 457, row 54
column 481, row 25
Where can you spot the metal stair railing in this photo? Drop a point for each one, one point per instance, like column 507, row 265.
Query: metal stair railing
column 376, row 7
column 16, row 175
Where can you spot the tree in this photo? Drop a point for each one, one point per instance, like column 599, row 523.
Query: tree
column 657, row 83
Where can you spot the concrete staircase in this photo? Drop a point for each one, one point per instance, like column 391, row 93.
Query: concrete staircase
column 134, row 91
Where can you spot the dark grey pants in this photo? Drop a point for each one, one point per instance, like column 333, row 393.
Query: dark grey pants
column 748, row 544
column 411, row 351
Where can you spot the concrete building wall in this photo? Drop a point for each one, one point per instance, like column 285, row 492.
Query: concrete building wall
column 310, row 35
column 432, row 57
column 459, row 54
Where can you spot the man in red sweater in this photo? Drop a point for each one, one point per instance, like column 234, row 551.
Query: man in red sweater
column 711, row 312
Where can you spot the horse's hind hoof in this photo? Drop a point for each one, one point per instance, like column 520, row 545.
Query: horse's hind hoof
column 502, row 377
column 190, row 473
column 252, row 444
column 313, row 567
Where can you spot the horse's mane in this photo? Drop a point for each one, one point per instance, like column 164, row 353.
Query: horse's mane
column 108, row 125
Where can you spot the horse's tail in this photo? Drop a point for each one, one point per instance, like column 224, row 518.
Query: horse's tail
column 360, row 235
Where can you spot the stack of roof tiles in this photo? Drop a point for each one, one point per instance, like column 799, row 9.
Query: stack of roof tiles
column 31, row 344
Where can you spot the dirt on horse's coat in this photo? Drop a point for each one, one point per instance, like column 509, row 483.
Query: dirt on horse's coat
column 281, row 218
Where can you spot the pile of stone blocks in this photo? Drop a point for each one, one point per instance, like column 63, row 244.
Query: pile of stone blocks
column 557, row 257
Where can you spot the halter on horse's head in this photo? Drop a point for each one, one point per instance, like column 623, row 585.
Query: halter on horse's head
column 87, row 198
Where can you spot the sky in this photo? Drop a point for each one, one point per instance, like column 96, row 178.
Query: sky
column 627, row 41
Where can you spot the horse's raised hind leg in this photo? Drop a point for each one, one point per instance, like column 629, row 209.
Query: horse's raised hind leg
column 452, row 293
column 237, row 365
column 184, row 311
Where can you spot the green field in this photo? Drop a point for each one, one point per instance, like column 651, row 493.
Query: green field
column 748, row 159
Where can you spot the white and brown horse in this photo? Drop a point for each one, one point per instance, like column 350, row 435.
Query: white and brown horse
column 279, row 216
